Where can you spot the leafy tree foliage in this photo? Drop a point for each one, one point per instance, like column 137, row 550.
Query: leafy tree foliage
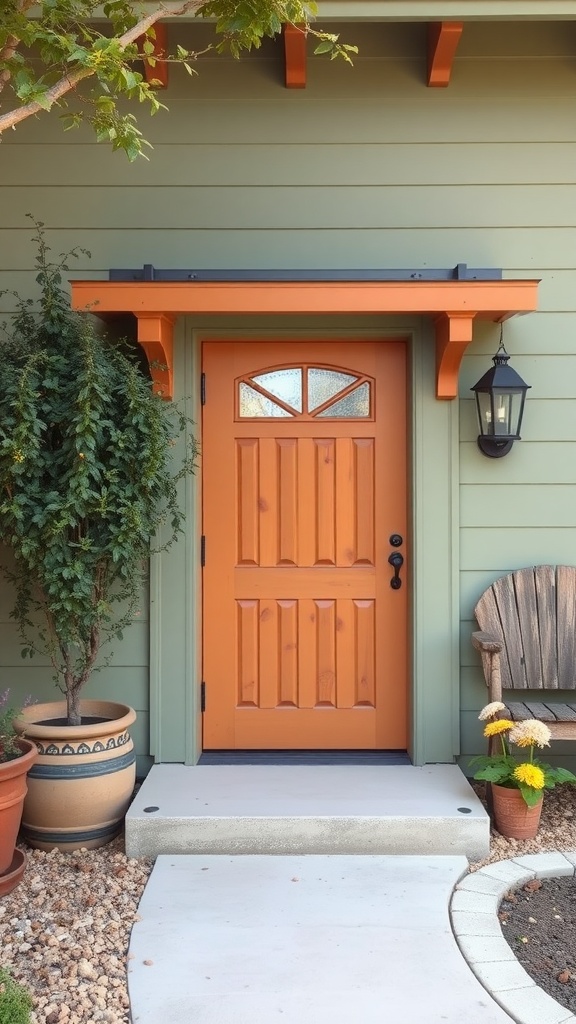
column 87, row 478
column 56, row 48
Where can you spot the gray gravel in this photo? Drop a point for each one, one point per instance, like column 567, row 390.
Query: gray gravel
column 64, row 932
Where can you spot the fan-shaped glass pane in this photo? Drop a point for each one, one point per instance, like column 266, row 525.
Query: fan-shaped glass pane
column 252, row 403
column 356, row 404
column 324, row 384
column 285, row 384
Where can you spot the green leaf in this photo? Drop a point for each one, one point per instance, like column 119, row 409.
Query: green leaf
column 42, row 100
column 325, row 47
column 493, row 773
column 560, row 775
column 531, row 796
column 130, row 79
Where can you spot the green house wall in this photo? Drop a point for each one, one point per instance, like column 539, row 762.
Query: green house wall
column 365, row 168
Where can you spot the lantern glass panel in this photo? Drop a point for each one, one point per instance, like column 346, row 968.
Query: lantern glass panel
column 507, row 412
column 486, row 419
column 500, row 412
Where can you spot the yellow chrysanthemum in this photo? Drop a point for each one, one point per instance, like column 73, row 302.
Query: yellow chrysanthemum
column 500, row 725
column 530, row 775
column 491, row 709
column 530, row 733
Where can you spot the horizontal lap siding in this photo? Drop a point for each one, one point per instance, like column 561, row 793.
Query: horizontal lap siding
column 122, row 676
column 366, row 167
column 522, row 510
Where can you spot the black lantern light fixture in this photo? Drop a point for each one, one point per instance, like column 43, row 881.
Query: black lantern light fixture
column 500, row 397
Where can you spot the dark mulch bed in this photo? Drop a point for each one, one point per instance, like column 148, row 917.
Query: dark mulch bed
column 539, row 924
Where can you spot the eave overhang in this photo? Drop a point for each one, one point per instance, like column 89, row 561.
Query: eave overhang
column 452, row 305
column 412, row 10
column 446, row 10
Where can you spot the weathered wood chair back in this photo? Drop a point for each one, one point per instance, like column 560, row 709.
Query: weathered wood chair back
column 527, row 639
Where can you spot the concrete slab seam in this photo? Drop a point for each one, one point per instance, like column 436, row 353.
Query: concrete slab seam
column 481, row 892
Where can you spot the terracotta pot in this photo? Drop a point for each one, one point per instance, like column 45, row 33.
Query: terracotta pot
column 13, row 876
column 512, row 816
column 12, row 792
column 81, row 786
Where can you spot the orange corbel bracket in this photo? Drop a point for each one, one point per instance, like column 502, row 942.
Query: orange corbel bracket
column 443, row 39
column 155, row 334
column 453, row 335
column 295, row 56
column 158, row 74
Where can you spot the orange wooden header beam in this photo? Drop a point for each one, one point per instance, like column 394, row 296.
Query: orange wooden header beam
column 443, row 39
column 454, row 305
column 159, row 73
column 295, row 56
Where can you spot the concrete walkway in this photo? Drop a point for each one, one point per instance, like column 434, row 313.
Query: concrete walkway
column 324, row 895
column 315, row 939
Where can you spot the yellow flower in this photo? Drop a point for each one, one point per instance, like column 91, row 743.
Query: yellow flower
column 18, row 456
column 530, row 775
column 500, row 725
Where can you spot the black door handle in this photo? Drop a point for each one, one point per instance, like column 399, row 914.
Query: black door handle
column 397, row 561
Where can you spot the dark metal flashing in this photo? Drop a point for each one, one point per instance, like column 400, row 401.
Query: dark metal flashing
column 461, row 272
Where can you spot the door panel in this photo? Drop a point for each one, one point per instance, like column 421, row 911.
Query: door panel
column 304, row 470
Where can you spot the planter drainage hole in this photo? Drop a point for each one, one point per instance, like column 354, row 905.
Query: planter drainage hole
column 463, row 810
column 148, row 810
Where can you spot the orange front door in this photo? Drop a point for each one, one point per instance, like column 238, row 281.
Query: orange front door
column 304, row 483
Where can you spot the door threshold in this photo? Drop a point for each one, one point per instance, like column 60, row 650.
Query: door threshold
column 311, row 757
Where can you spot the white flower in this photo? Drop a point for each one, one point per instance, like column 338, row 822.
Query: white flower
column 491, row 710
column 531, row 732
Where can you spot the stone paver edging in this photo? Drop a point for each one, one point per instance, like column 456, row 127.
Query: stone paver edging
column 474, row 914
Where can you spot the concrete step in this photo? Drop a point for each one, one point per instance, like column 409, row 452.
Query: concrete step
column 303, row 809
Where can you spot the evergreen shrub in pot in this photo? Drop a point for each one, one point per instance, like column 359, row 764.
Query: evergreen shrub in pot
column 87, row 481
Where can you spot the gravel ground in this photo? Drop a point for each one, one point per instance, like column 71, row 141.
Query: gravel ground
column 64, row 931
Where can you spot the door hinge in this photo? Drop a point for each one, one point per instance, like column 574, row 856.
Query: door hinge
column 203, row 550
column 202, row 696
column 202, row 389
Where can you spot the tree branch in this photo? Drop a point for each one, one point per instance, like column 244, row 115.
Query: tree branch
column 69, row 82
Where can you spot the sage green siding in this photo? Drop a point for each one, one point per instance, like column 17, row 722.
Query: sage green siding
column 365, row 168
column 123, row 675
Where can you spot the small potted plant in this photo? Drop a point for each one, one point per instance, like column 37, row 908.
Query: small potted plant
column 17, row 755
column 517, row 781
column 87, row 480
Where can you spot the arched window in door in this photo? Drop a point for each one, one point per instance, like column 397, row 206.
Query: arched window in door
column 305, row 392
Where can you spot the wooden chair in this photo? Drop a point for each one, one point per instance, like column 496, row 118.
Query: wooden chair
column 527, row 641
